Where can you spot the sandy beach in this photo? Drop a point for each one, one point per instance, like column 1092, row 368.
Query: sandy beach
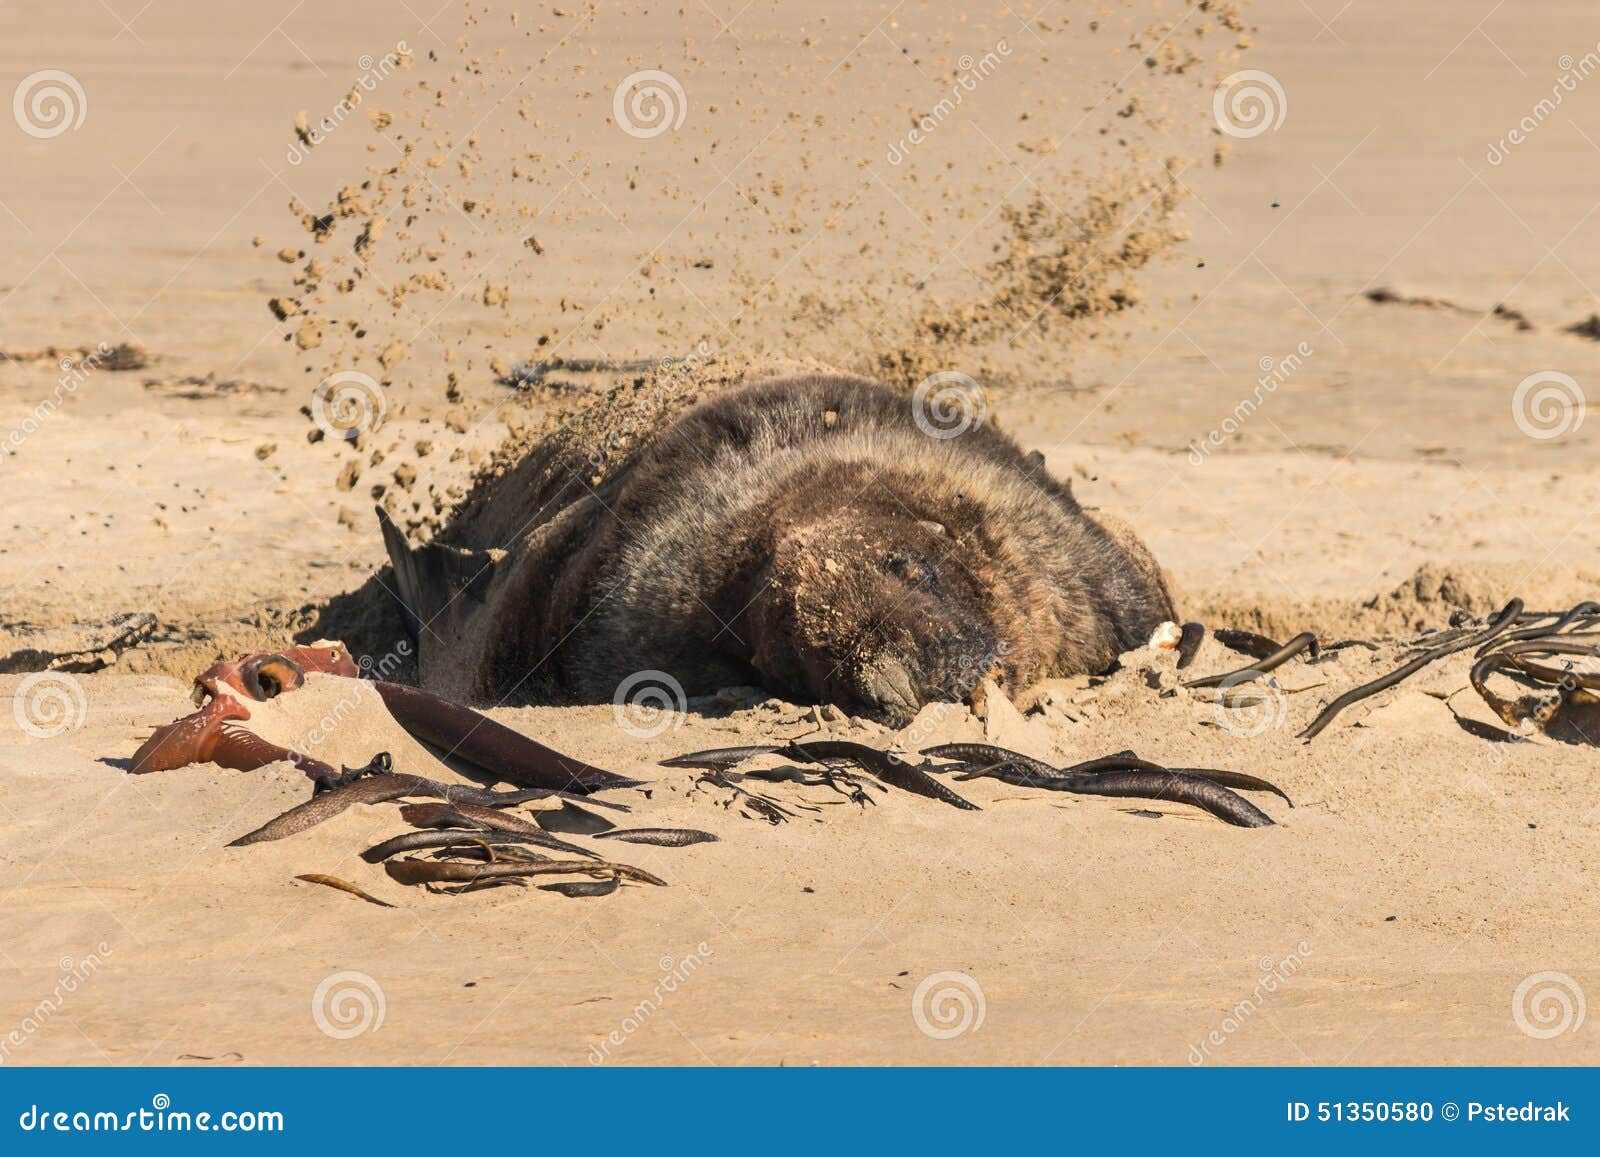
column 1295, row 355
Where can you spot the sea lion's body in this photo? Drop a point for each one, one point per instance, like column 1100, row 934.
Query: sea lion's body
column 804, row 534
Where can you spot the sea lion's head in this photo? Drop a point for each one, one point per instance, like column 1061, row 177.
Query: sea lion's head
column 877, row 613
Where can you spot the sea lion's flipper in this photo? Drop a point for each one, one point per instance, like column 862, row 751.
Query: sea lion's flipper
column 434, row 578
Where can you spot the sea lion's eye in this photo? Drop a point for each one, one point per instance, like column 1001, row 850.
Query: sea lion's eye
column 913, row 568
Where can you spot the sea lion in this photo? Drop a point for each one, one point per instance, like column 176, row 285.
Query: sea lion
column 812, row 534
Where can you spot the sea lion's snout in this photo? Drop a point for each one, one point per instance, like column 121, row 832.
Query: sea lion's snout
column 874, row 614
column 888, row 689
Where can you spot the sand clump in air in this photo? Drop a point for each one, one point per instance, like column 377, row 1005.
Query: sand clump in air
column 477, row 172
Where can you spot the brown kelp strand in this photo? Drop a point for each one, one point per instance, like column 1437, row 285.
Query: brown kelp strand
column 660, row 837
column 412, row 871
column 1346, row 644
column 1189, row 639
column 1175, row 787
column 974, row 755
column 374, row 789
column 888, row 767
column 438, row 815
column 1305, row 641
column 572, row 820
column 339, row 885
column 577, row 889
column 1034, row 773
column 470, row 735
column 721, row 758
column 1582, row 616
column 1018, row 775
column 1503, row 622
column 1127, row 761
column 1571, row 689
column 1245, row 642
column 448, row 837
column 767, row 808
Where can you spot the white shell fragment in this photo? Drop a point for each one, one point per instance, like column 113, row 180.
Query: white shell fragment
column 1165, row 637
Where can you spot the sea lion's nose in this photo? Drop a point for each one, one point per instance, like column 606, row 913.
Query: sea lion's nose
column 887, row 685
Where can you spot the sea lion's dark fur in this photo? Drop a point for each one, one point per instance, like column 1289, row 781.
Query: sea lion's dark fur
column 801, row 533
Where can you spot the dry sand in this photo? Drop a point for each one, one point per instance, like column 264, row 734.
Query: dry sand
column 1382, row 481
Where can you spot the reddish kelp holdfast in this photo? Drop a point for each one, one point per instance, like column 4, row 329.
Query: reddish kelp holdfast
column 470, row 839
column 216, row 733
